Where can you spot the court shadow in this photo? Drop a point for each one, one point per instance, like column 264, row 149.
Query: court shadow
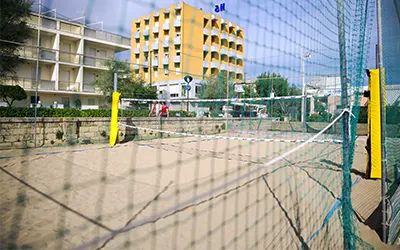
column 374, row 221
column 353, row 171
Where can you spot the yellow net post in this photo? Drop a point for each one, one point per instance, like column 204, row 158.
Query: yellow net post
column 114, row 138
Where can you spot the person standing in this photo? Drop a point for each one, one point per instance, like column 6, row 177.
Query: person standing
column 164, row 110
column 154, row 109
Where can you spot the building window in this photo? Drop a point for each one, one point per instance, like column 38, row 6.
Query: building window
column 178, row 53
column 33, row 99
column 91, row 102
column 198, row 90
column 166, row 70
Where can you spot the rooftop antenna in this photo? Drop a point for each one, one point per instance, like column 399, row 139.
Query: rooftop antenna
column 49, row 11
column 82, row 17
column 97, row 23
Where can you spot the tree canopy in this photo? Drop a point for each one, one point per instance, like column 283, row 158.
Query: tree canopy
column 266, row 82
column 128, row 85
column 215, row 87
column 13, row 27
column 9, row 94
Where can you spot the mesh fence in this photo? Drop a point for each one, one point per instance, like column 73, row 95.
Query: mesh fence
column 391, row 50
column 267, row 167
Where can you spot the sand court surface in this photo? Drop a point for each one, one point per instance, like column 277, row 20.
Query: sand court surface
column 172, row 193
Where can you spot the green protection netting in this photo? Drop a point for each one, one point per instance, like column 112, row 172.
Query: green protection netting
column 267, row 167
column 391, row 62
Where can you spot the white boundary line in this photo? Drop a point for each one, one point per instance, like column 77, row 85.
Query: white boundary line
column 173, row 209
column 230, row 137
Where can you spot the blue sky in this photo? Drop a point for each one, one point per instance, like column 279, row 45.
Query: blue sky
column 275, row 30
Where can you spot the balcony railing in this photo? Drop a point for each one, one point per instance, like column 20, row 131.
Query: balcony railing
column 177, row 59
column 71, row 28
column 165, row 61
column 165, row 26
column 206, row 31
column 136, row 50
column 177, row 23
column 205, row 64
column 155, row 29
column 101, row 35
column 69, row 86
column 70, row 57
column 136, row 34
column 205, row 47
column 214, row 65
column 214, row 32
column 94, row 61
column 224, row 51
column 214, row 48
column 88, row 87
column 29, row 83
column 177, row 40
column 47, row 54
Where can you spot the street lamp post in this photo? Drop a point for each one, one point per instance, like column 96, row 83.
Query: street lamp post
column 303, row 93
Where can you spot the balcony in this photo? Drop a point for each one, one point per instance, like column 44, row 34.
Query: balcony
column 165, row 61
column 224, row 66
column 137, row 21
column 178, row 6
column 94, row 62
column 157, row 14
column 231, row 39
column 155, row 29
column 177, row 59
column 146, row 18
column 146, row 32
column 69, row 86
column 214, row 65
column 214, row 32
column 47, row 54
column 177, row 23
column 224, row 36
column 109, row 37
column 165, row 26
column 145, row 48
column 48, row 23
column 29, row 83
column 165, row 43
column 239, row 56
column 239, row 41
column 145, row 64
column 214, row 48
column 136, row 51
column 239, row 71
column 232, row 54
column 31, row 52
column 214, row 18
column 230, row 24
column 87, row 87
column 232, row 69
column 136, row 67
column 224, row 51
column 155, row 46
column 205, row 47
column 223, row 21
column 166, row 11
column 154, row 63
column 177, row 41
column 136, row 35
column 206, row 32
column 205, row 64
column 69, row 57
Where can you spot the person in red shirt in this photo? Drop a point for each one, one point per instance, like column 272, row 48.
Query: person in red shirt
column 164, row 110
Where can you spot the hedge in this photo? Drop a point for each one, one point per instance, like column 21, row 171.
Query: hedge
column 73, row 112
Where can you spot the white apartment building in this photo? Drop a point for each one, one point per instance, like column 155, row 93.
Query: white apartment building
column 71, row 56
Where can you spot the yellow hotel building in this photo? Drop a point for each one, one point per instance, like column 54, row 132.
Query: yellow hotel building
column 182, row 40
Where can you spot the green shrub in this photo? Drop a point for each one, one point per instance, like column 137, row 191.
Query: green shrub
column 59, row 135
column 73, row 112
